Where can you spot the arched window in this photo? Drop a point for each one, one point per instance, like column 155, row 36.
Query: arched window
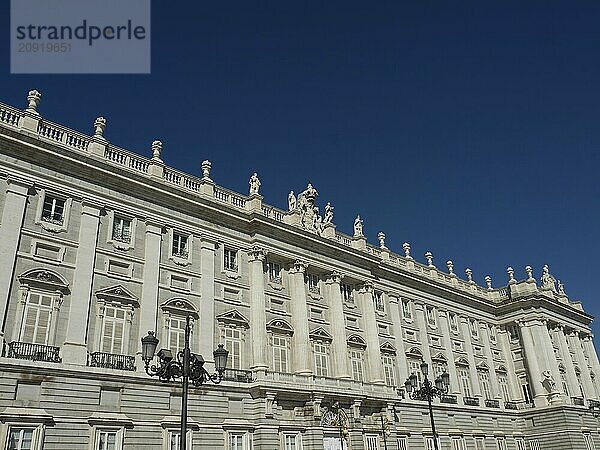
column 175, row 311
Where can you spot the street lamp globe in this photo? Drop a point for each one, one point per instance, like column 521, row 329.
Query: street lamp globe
column 220, row 355
column 424, row 368
column 149, row 344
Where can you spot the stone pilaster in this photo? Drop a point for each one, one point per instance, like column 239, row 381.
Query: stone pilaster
column 339, row 345
column 445, row 326
column 299, row 309
column 532, row 364
column 10, row 232
column 586, row 380
column 567, row 360
column 401, row 362
column 258, row 320
column 149, row 299
column 489, row 357
column 548, row 355
column 466, row 332
column 74, row 350
column 421, row 320
column 375, row 366
column 513, row 383
column 590, row 351
column 206, row 333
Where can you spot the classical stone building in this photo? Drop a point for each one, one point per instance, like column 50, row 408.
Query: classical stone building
column 100, row 245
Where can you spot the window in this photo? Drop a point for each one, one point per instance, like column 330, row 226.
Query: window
column 407, row 310
column 346, row 290
column 239, row 441
column 501, row 443
column 458, row 346
column 113, row 328
column 37, row 317
column 526, row 390
column 503, row 383
column 232, row 341
column 474, row 326
column 493, row 336
column 402, row 443
column 389, row 369
column 458, row 443
column 521, row 444
column 436, row 341
column 352, row 322
column 479, row 443
column 430, row 314
column 121, row 231
column 579, row 382
column 274, row 272
column 174, row 440
column 534, row 444
column 378, row 302
column 230, row 261
column 21, row 438
column 176, row 334
column 292, row 441
column 53, row 210
column 465, row 380
column 280, row 354
column 411, row 335
column 356, row 359
column 429, row 444
column 589, row 443
column 484, row 383
column 453, row 323
column 320, row 351
column 414, row 367
column 439, row 367
column 108, row 439
column 180, row 246
column 313, row 283
column 371, row 442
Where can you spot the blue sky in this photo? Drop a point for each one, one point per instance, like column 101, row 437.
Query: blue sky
column 466, row 128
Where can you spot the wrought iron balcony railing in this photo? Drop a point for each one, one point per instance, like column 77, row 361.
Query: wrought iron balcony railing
column 33, row 352
column 491, row 403
column 241, row 376
column 449, row 398
column 510, row 405
column 111, row 361
column 578, row 401
column 471, row 401
column 593, row 403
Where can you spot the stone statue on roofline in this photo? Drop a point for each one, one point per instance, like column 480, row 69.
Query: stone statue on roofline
column 254, row 184
column 328, row 213
column 291, row 201
column 358, row 227
column 548, row 281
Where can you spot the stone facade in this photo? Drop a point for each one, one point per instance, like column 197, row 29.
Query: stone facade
column 100, row 245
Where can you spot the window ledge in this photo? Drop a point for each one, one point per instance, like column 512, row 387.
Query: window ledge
column 110, row 420
column 26, row 415
column 231, row 274
column 180, row 261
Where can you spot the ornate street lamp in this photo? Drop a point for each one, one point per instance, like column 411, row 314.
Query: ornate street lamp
column 187, row 365
column 428, row 391
column 336, row 416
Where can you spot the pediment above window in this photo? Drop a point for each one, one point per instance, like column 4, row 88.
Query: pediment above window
column 388, row 348
column 502, row 369
column 439, row 357
column 118, row 294
column 180, row 307
column 462, row 362
column 415, row 352
column 234, row 318
column 44, row 279
column 280, row 326
column 357, row 341
column 482, row 366
column 320, row 334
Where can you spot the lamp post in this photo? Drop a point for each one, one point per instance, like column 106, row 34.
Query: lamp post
column 428, row 391
column 385, row 429
column 336, row 416
column 187, row 365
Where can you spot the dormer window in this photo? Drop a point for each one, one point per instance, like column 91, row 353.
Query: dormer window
column 53, row 210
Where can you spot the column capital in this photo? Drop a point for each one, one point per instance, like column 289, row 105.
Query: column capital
column 334, row 277
column 257, row 253
column 153, row 228
column 298, row 267
column 367, row 287
column 394, row 297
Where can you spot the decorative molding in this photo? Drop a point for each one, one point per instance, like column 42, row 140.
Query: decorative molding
column 280, row 326
column 180, row 307
column 320, row 334
column 356, row 340
column 118, row 294
column 233, row 317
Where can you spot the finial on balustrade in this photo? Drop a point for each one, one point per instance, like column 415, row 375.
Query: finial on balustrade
column 33, row 101
column 381, row 238
column 488, row 282
column 406, row 247
column 206, row 166
column 511, row 275
column 529, row 271
column 156, row 149
column 450, row 266
column 469, row 274
column 99, row 127
column 429, row 258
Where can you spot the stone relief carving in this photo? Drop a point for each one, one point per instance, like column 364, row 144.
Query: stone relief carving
column 305, row 206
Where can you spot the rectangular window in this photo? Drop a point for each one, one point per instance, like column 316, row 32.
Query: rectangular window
column 352, row 322
column 240, row 441
column 414, row 367
column 503, row 383
column 525, row 389
column 36, row 320
column 316, row 314
column 320, row 359
column 356, row 358
column 389, row 369
column 174, row 440
column 232, row 340
column 436, row 341
column 313, row 283
column 454, row 323
column 121, row 229
column 501, row 443
column 474, row 329
column 430, row 445
column 107, row 440
column 371, row 442
column 431, row 316
column 458, row 443
column 378, row 302
column 20, row 438
column 346, row 290
column 53, row 210
column 230, row 261
column 589, row 443
column 458, row 346
column 274, row 272
column 534, row 444
column 411, row 335
column 439, row 367
column 176, row 335
column 406, row 310
column 292, row 441
column 113, row 329
column 521, row 444
column 280, row 354
column 403, row 443
column 479, row 443
column 465, row 381
column 493, row 336
column 180, row 246
column 484, row 382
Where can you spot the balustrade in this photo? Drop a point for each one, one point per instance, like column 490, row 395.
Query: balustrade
column 111, row 361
